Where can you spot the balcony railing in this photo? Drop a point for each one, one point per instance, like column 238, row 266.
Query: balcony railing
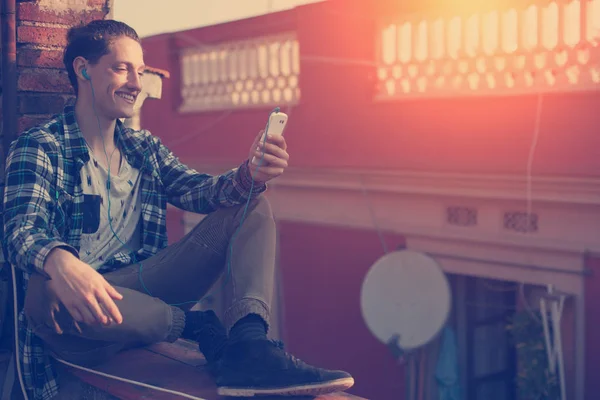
column 553, row 46
column 258, row 72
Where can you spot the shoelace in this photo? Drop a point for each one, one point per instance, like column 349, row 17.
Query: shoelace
column 296, row 361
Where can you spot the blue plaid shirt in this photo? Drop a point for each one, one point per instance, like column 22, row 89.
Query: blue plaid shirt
column 42, row 209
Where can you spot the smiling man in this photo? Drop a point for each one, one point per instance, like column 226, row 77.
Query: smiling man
column 84, row 216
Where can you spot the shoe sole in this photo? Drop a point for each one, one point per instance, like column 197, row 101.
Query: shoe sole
column 315, row 389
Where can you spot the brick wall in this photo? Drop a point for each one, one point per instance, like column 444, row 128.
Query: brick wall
column 43, row 87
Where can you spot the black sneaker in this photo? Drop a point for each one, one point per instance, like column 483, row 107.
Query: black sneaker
column 205, row 328
column 262, row 367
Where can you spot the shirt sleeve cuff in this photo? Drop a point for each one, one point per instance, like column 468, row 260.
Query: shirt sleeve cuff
column 246, row 182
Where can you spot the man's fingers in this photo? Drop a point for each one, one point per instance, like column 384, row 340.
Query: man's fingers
column 53, row 323
column 108, row 314
column 113, row 311
column 77, row 326
column 86, row 316
column 269, row 156
column 105, row 312
column 258, row 139
column 96, row 311
column 75, row 314
column 269, row 159
column 112, row 292
column 277, row 140
column 274, row 149
column 111, row 308
column 57, row 329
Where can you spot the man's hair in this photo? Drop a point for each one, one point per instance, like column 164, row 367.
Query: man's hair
column 92, row 41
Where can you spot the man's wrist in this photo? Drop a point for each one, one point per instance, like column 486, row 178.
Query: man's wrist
column 246, row 179
column 57, row 257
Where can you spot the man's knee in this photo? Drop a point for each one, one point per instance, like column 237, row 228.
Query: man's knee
column 215, row 231
column 262, row 206
column 259, row 217
column 258, row 210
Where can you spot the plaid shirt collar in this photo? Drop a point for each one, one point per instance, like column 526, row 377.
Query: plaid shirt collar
column 75, row 146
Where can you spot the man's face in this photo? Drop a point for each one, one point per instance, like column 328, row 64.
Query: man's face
column 116, row 79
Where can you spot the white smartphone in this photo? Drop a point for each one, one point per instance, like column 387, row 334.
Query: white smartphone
column 276, row 126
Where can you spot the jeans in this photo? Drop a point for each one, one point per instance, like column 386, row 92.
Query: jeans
column 181, row 273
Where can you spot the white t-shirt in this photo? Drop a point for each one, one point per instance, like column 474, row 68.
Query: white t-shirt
column 98, row 240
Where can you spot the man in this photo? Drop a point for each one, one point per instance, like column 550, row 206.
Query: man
column 84, row 215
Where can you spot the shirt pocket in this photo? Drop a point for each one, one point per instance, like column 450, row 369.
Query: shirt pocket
column 63, row 211
column 90, row 210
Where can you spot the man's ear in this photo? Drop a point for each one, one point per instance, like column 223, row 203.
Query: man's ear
column 80, row 65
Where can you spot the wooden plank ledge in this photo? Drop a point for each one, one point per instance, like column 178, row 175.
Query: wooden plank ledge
column 178, row 367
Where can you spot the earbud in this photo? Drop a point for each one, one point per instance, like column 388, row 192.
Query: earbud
column 85, row 74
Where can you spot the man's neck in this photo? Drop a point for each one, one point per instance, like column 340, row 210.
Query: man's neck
column 98, row 132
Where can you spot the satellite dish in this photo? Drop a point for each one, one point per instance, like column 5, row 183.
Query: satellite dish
column 405, row 293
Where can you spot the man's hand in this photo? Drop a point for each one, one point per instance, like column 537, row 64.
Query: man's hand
column 84, row 292
column 270, row 157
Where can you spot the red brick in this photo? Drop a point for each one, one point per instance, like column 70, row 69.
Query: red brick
column 42, row 35
column 29, row 121
column 44, row 80
column 37, row 103
column 40, row 58
column 33, row 12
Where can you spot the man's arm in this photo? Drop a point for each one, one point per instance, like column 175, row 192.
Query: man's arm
column 203, row 193
column 29, row 197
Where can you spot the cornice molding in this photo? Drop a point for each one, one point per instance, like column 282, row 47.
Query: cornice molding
column 565, row 190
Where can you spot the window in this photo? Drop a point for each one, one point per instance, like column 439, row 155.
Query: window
column 521, row 222
column 548, row 47
column 461, row 216
column 262, row 71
